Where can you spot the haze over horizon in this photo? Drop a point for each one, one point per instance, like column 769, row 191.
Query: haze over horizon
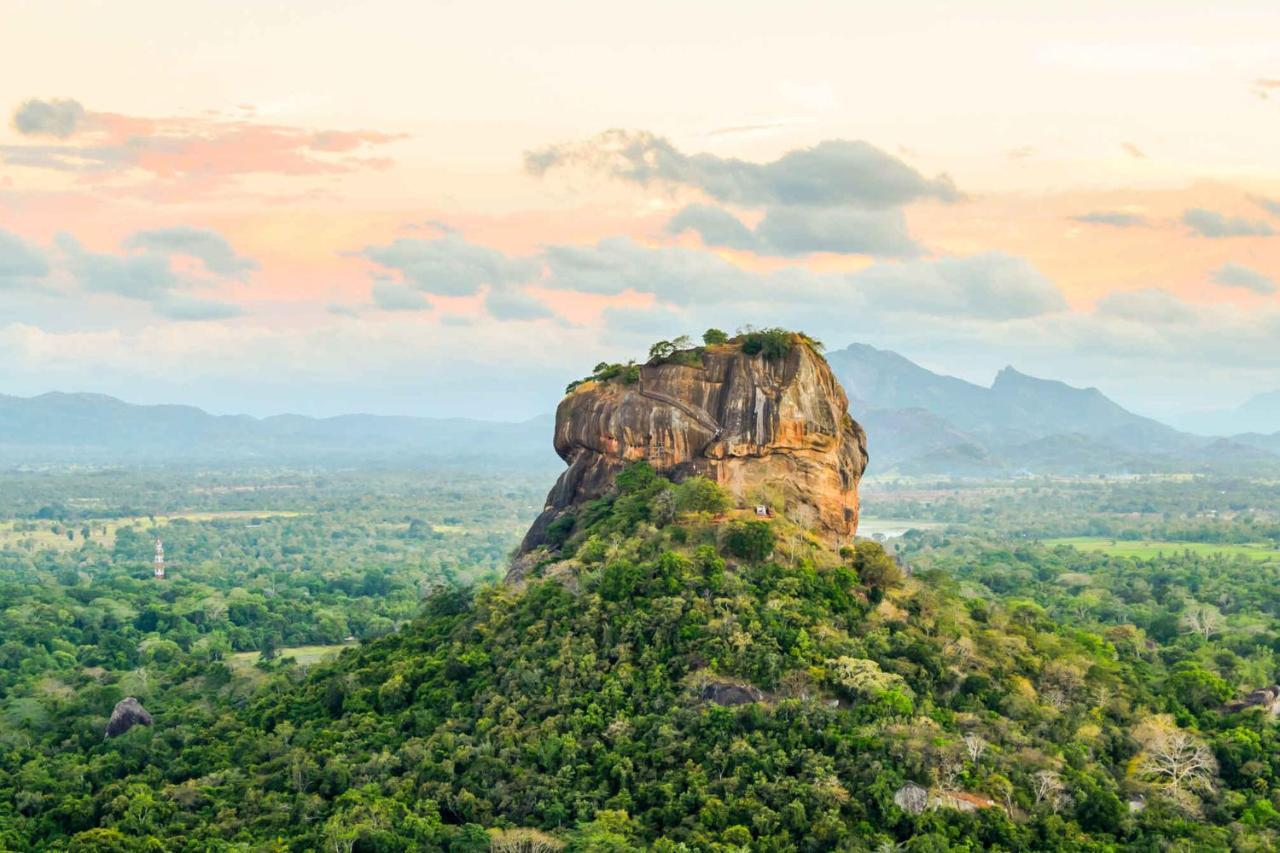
column 281, row 229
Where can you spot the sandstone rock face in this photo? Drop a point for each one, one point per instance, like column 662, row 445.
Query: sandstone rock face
column 127, row 713
column 749, row 423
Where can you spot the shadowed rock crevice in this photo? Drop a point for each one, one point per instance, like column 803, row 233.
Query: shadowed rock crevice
column 750, row 423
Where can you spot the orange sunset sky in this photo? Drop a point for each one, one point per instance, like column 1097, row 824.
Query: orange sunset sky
column 455, row 208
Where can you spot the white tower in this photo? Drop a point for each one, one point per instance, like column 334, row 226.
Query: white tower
column 159, row 559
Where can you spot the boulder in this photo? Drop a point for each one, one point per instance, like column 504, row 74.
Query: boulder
column 127, row 714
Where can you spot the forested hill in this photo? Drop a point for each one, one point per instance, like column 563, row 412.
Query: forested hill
column 680, row 676
column 95, row 428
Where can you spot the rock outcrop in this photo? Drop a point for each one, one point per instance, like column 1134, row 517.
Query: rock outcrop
column 752, row 424
column 127, row 713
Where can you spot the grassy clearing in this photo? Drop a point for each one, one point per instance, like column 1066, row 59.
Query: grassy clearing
column 243, row 662
column 1149, row 549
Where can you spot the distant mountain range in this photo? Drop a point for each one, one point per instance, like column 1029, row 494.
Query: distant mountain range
column 1259, row 414
column 921, row 422
column 97, row 429
column 918, row 422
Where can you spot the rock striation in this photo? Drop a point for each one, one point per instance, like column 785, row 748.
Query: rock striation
column 751, row 423
column 127, row 713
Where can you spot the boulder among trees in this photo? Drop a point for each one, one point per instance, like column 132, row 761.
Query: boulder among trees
column 127, row 714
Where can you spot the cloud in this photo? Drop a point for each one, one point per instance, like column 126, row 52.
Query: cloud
column 991, row 286
column 195, row 154
column 1270, row 205
column 147, row 272
column 177, row 306
column 1133, row 151
column 832, row 173
column 209, row 247
column 20, row 263
column 1210, row 223
column 1152, row 305
column 514, row 304
column 58, row 118
column 792, row 231
column 716, row 226
column 1118, row 218
column 1238, row 275
column 390, row 296
column 142, row 276
column 449, row 265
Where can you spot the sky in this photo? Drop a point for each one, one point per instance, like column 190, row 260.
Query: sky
column 453, row 209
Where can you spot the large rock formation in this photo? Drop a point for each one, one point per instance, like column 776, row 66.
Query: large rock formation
column 127, row 713
column 748, row 422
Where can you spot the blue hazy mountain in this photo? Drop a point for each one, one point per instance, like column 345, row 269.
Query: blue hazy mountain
column 918, row 422
column 94, row 428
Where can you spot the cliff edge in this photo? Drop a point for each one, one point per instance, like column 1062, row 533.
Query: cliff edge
column 756, row 421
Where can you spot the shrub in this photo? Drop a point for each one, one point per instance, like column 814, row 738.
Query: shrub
column 558, row 531
column 750, row 540
column 636, row 477
column 712, row 337
column 772, row 343
column 698, row 494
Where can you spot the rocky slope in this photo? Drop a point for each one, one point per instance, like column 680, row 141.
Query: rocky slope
column 753, row 424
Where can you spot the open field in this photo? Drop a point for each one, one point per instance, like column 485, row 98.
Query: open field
column 1146, row 550
column 243, row 662
column 37, row 535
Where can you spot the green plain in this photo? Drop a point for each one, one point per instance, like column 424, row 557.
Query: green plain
column 1149, row 549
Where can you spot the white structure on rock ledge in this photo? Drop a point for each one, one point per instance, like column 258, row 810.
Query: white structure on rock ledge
column 158, row 562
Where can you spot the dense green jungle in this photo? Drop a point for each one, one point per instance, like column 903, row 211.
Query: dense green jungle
column 332, row 663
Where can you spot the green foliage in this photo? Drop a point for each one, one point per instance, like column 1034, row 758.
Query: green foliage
column 750, row 540
column 575, row 714
column 627, row 374
column 714, row 337
column 636, row 478
column 558, row 531
column 698, row 494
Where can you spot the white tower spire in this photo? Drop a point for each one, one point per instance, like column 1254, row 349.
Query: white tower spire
column 159, row 559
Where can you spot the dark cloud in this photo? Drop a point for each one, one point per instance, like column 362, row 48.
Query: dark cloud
column 1238, row 275
column 1210, row 223
column 1118, row 218
column 832, row 173
column 207, row 246
column 20, row 263
column 58, row 118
